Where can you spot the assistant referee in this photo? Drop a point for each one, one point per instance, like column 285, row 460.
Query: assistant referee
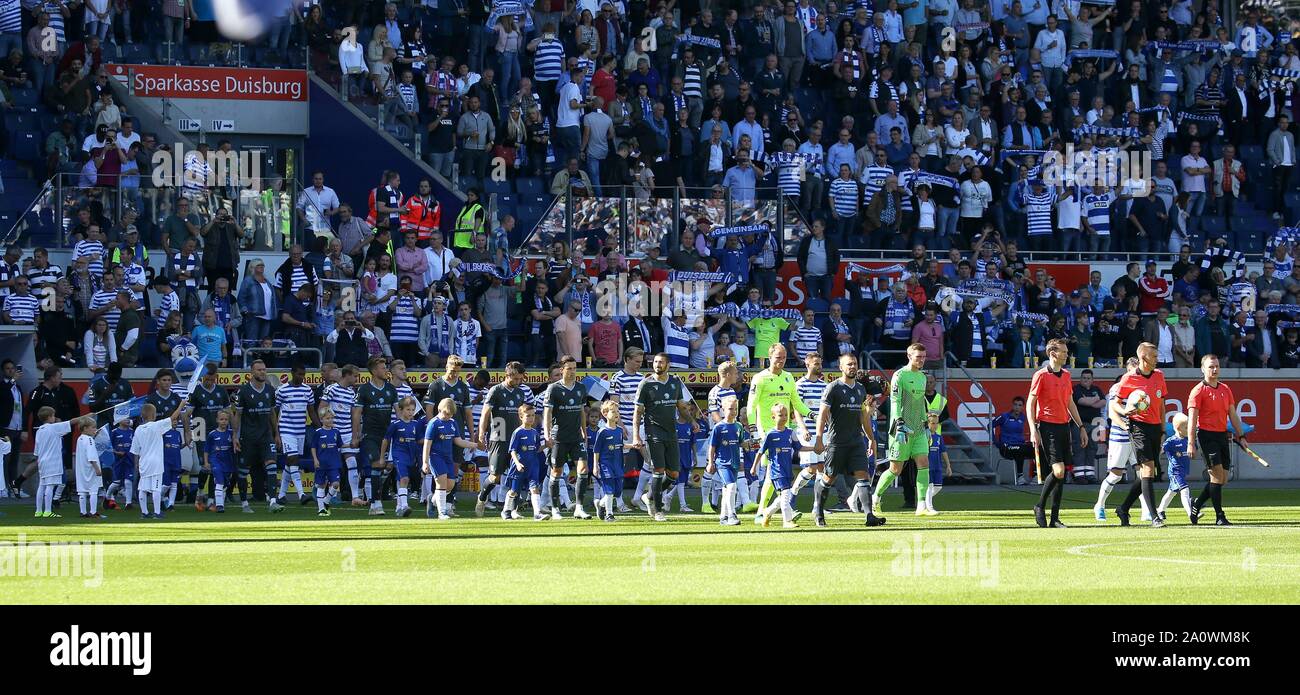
column 1208, row 410
column 1049, row 412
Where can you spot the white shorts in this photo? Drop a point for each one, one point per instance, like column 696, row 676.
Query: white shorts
column 150, row 483
column 52, row 479
column 808, row 457
column 88, row 481
column 293, row 444
column 1120, row 455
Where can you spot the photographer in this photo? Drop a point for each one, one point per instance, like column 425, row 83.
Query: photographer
column 221, row 239
column 350, row 341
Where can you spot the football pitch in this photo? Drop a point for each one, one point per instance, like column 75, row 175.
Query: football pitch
column 984, row 548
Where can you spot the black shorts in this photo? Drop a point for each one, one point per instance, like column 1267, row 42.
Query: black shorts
column 1146, row 441
column 632, row 460
column 256, row 451
column 370, row 459
column 568, row 452
column 664, row 452
column 1055, row 439
column 846, row 459
column 499, row 458
column 1215, row 449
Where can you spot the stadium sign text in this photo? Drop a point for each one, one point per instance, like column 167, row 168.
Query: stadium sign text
column 188, row 82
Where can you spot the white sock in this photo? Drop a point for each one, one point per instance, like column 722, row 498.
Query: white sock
column 82, row 502
column 787, row 510
column 729, row 500
column 706, row 489
column 681, row 494
column 297, row 482
column 368, row 487
column 512, row 500
column 171, row 494
column 804, row 477
column 284, row 485
column 642, row 479
column 742, row 493
column 157, row 500
column 1164, row 501
column 130, row 490
column 111, row 492
column 442, row 503
column 58, row 491
column 1107, row 485
column 94, row 504
column 1143, row 501
column 536, row 498
column 929, row 495
column 401, row 497
column 320, row 499
column 220, row 490
column 354, row 480
column 564, row 492
column 1186, row 495
column 426, row 488
column 144, row 501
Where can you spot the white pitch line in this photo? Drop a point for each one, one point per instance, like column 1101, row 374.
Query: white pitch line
column 1082, row 551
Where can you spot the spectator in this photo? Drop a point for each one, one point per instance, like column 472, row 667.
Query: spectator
column 1282, row 156
column 128, row 333
column 819, row 260
column 1009, row 437
column 1213, row 335
column 296, row 315
column 412, row 264
column 210, row 339
column 259, row 302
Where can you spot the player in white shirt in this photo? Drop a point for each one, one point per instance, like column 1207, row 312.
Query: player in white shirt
column 293, row 403
column 49, row 460
column 341, row 396
column 90, row 478
column 147, row 446
column 1119, row 448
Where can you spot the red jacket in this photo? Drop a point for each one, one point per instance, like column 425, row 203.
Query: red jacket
column 603, row 86
column 1152, row 294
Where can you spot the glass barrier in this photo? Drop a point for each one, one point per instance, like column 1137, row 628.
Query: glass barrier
column 273, row 212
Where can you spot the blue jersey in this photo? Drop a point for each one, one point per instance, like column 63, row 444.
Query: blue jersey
column 608, row 445
column 937, row 450
column 1175, row 449
column 404, row 441
column 121, row 438
column 686, row 445
column 441, row 433
column 1011, row 429
column 725, row 440
column 524, row 442
column 326, row 443
column 779, row 448
column 220, row 449
column 172, row 450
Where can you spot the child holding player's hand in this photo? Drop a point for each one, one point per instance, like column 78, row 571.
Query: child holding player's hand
column 325, row 444
column 779, row 447
column 1175, row 450
column 725, row 458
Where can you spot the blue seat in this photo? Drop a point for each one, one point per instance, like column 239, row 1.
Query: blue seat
column 198, row 53
column 135, row 53
column 20, row 121
column 494, row 186
column 21, row 191
column 820, row 306
column 530, row 186
column 844, row 304
column 25, row 147
column 10, row 170
column 25, row 96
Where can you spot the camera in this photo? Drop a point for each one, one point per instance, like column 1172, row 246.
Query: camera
column 875, row 385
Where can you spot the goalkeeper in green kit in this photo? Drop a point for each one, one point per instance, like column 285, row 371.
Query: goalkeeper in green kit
column 774, row 386
column 908, row 438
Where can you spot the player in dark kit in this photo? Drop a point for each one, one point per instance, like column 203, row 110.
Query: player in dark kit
column 207, row 399
column 1209, row 408
column 371, row 416
column 1048, row 413
column 1146, row 425
column 844, row 410
column 501, row 415
column 254, row 408
column 452, row 386
column 564, row 422
column 659, row 398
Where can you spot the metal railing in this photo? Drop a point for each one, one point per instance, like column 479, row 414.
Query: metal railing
column 986, row 420
column 267, row 209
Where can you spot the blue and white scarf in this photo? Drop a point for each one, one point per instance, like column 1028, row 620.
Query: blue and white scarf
column 1086, row 53
column 1203, row 45
column 748, row 312
column 685, row 276
column 1082, row 130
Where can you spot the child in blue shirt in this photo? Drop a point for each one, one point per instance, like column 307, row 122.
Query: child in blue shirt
column 442, row 432
column 121, row 437
column 172, row 443
column 607, row 459
column 939, row 467
column 325, row 442
column 218, row 458
column 725, row 458
column 686, row 454
column 778, row 450
column 402, row 440
column 1175, row 450
column 528, row 466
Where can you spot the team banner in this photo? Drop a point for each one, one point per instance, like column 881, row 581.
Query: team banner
column 1087, row 53
column 739, row 230
column 1203, row 45
column 487, row 268
column 231, row 84
column 685, row 276
column 707, row 41
column 1029, row 317
column 1082, row 130
column 1199, row 118
column 1283, row 308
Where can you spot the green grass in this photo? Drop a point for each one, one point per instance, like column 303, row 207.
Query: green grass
column 295, row 558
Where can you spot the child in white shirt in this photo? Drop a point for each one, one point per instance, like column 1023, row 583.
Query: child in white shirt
column 90, row 478
column 49, row 460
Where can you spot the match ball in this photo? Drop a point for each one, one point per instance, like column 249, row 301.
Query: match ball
column 1139, row 400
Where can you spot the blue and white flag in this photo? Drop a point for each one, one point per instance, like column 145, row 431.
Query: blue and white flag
column 686, row 276
column 730, row 309
column 1082, row 130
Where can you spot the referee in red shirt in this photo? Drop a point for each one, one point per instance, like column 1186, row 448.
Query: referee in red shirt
column 1049, row 412
column 1208, row 410
column 1146, row 428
